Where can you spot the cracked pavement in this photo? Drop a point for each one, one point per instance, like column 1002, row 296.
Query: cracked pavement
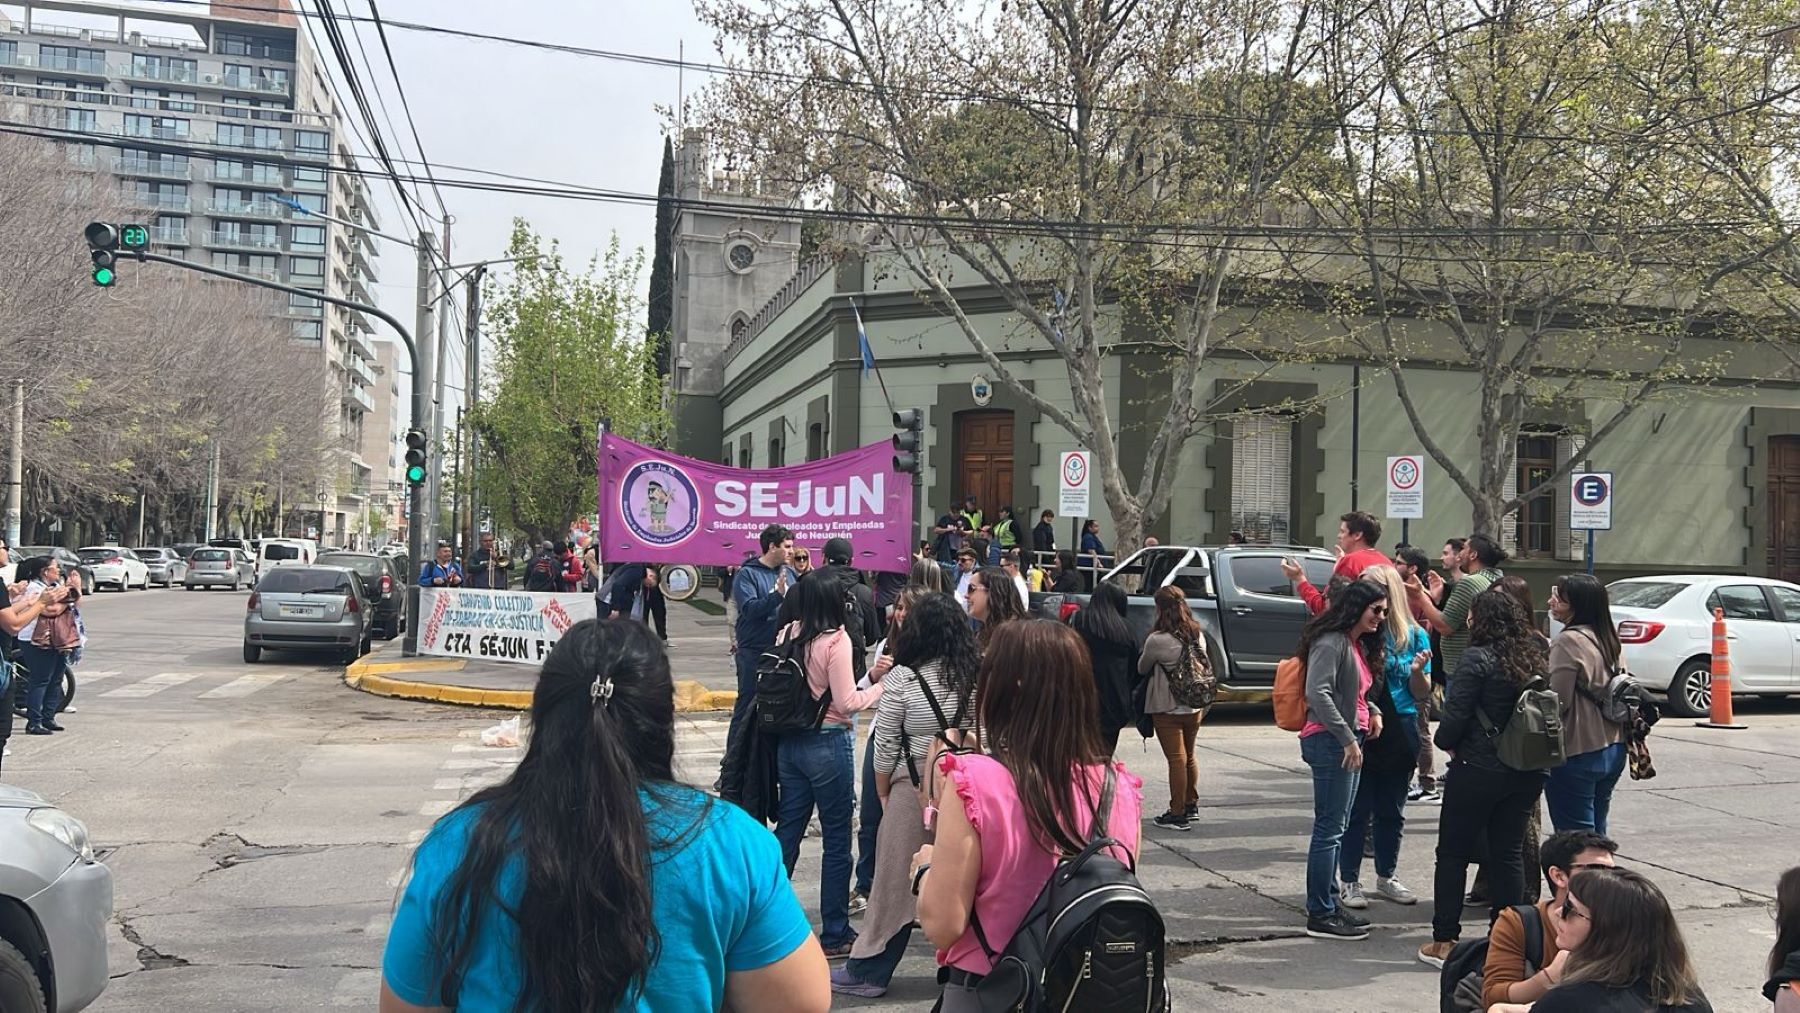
column 255, row 839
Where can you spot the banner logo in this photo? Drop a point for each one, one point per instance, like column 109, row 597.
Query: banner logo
column 659, row 503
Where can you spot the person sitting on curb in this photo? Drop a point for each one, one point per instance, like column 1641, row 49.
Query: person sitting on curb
column 1503, row 977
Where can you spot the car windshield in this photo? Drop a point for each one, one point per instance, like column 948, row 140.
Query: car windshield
column 1643, row 594
column 211, row 555
column 279, row 551
column 366, row 566
column 96, row 555
column 304, row 580
column 149, row 553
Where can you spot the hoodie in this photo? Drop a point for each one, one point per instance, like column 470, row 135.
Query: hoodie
column 1788, row 972
column 753, row 589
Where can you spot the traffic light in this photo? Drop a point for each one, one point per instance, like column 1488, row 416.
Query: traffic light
column 415, row 457
column 909, row 442
column 103, row 240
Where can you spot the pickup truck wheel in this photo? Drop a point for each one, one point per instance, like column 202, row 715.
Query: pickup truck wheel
column 20, row 989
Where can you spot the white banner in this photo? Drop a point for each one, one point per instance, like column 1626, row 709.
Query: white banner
column 516, row 626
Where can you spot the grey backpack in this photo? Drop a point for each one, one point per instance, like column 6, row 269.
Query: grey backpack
column 1533, row 736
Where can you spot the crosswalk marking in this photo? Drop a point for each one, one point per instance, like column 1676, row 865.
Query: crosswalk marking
column 245, row 685
column 83, row 677
column 153, row 685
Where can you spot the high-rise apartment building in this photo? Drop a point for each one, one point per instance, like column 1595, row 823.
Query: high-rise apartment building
column 212, row 124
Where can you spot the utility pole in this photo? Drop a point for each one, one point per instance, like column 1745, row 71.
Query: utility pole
column 15, row 467
column 428, row 349
column 471, row 385
column 435, row 477
column 210, row 526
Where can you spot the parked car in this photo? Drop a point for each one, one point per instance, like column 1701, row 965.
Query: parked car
column 317, row 608
column 71, row 563
column 116, row 566
column 56, row 900
column 186, row 549
column 212, row 565
column 272, row 552
column 1665, row 627
column 1248, row 610
column 165, row 567
column 382, row 585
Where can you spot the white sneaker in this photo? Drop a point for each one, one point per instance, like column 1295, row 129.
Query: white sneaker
column 5, row 750
column 1351, row 896
column 1394, row 890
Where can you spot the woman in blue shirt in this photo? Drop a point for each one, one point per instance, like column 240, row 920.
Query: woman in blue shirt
column 1389, row 758
column 590, row 879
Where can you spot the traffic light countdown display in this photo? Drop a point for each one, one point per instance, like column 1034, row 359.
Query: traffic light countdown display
column 415, row 456
column 105, row 240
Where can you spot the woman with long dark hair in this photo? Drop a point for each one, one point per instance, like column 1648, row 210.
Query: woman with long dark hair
column 20, row 613
column 1487, row 803
column 929, row 692
column 1177, row 725
column 1068, row 575
column 1783, row 986
column 1342, row 648
column 590, row 879
column 1583, row 658
column 45, row 591
column 1114, row 651
column 993, row 601
column 1626, row 953
column 1012, row 809
column 817, row 769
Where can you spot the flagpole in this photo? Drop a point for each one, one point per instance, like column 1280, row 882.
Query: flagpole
column 868, row 356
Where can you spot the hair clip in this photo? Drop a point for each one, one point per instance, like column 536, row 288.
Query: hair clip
column 601, row 691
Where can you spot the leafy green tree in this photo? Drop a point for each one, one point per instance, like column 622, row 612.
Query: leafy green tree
column 566, row 354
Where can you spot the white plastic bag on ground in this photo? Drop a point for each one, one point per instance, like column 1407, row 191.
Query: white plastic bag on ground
column 503, row 735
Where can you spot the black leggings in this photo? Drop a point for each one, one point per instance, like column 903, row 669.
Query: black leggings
column 1484, row 813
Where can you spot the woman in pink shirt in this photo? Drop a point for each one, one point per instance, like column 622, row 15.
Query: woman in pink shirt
column 817, row 768
column 1014, row 809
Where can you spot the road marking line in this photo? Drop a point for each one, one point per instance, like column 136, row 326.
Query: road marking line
column 82, row 675
column 153, row 685
column 244, row 685
column 464, row 747
column 483, row 763
column 437, row 808
column 447, row 784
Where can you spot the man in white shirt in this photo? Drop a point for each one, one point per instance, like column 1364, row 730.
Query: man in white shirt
column 965, row 568
column 1010, row 560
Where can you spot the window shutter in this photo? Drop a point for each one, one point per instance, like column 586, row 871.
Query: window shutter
column 1509, row 525
column 1569, row 544
column 1261, row 466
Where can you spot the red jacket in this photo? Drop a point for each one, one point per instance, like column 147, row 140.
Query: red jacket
column 1350, row 566
column 572, row 572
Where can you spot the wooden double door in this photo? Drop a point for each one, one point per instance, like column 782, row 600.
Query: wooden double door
column 984, row 460
column 1784, row 508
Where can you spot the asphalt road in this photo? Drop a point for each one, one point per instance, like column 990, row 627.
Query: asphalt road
column 258, row 818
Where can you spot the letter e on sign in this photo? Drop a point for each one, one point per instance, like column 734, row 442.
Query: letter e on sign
column 1591, row 501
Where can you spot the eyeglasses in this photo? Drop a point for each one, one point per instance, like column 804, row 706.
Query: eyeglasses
column 1379, row 610
column 976, row 587
column 1568, row 911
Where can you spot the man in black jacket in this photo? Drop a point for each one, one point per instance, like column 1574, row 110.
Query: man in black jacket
column 1043, row 537
column 866, row 629
column 488, row 567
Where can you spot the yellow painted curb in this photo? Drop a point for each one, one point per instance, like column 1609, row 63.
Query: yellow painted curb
column 690, row 696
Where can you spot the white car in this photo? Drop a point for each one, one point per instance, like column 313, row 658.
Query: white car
column 1665, row 627
column 115, row 566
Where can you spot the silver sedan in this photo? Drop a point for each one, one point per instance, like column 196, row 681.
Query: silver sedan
column 48, row 871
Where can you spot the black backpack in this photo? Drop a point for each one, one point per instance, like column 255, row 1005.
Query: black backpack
column 1092, row 941
column 1459, row 985
column 784, row 701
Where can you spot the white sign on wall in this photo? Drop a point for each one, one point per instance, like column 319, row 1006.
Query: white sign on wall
column 1074, row 477
column 1406, row 487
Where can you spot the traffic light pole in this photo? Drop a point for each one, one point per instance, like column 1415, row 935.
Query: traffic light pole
column 421, row 397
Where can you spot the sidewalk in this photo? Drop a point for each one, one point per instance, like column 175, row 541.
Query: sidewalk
column 705, row 678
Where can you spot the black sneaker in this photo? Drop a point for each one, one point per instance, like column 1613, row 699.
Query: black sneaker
column 1193, row 811
column 1172, row 821
column 1335, row 926
column 1352, row 917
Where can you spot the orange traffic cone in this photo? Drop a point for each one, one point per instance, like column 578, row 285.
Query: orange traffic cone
column 1720, row 711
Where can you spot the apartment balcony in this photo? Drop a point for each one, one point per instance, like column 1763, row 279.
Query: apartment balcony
column 311, row 154
column 242, row 176
column 153, row 167
column 156, row 133
column 229, row 240
column 317, row 186
column 302, row 311
column 251, row 144
column 246, row 82
column 356, row 397
column 246, row 209
column 162, row 72
column 68, row 65
column 157, row 201
column 169, row 235
column 359, row 370
column 359, row 343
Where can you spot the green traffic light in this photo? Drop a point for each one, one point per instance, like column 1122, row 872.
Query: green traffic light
column 103, row 276
column 415, row 474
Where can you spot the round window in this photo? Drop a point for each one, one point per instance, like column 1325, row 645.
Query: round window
column 742, row 256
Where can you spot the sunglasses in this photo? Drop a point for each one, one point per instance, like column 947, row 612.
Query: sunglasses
column 1568, row 911
column 1379, row 610
column 976, row 587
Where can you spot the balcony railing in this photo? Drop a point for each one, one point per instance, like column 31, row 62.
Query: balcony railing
column 311, row 154
column 169, row 235
column 356, row 397
column 160, row 201
column 249, row 142
column 242, row 174
column 159, row 133
column 178, row 74
column 160, row 168
column 356, row 367
column 71, row 64
column 246, row 82
column 243, row 240
column 246, row 209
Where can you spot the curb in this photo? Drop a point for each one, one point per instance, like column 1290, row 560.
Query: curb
column 371, row 677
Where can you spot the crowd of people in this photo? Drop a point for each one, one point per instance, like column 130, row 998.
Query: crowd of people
column 41, row 637
column 990, row 755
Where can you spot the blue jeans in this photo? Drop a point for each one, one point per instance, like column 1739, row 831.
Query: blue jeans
column 1334, row 788
column 870, row 824
column 1579, row 792
column 879, row 969
column 1381, row 798
column 43, row 695
column 817, row 768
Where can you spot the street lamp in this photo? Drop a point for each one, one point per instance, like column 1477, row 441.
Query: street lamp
column 324, row 498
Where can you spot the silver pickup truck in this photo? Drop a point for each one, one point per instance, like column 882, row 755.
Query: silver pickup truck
column 1249, row 610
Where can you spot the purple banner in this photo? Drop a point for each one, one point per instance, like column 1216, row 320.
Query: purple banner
column 657, row 507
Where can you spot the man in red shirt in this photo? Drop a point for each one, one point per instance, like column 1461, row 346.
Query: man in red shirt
column 1358, row 533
